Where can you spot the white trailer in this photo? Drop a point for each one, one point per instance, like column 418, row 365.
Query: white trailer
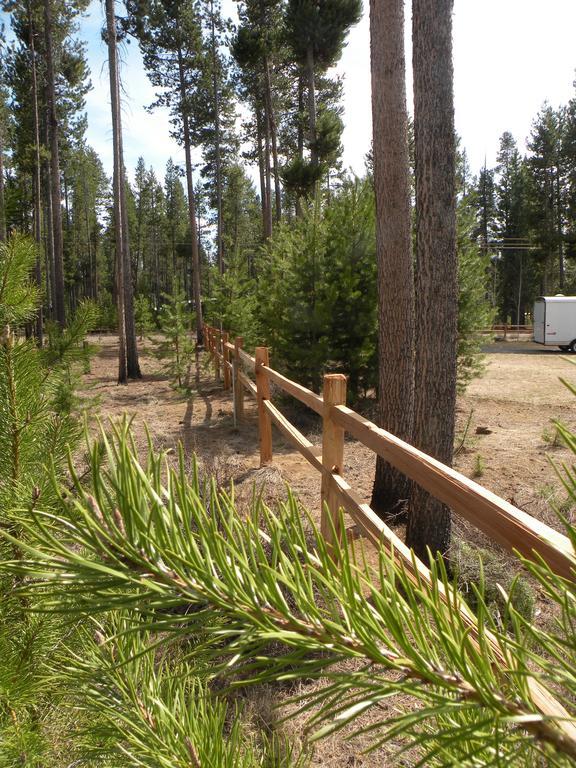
column 555, row 322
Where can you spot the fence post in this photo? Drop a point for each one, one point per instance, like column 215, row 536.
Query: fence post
column 225, row 360
column 332, row 456
column 238, row 387
column 264, row 420
column 217, row 338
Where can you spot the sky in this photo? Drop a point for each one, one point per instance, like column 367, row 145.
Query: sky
column 510, row 56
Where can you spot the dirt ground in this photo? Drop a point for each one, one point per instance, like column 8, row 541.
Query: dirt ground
column 505, row 431
column 505, row 442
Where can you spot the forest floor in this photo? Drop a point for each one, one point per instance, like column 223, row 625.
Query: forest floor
column 504, row 423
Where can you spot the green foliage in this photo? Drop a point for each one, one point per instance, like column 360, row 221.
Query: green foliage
column 107, row 314
column 36, row 386
column 318, row 297
column 36, row 433
column 153, row 708
column 18, row 294
column 143, row 317
column 234, row 303
column 474, row 309
column 261, row 601
column 176, row 345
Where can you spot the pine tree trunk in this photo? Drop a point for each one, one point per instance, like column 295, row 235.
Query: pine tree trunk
column 2, row 203
column 216, row 95
column 273, row 138
column 559, row 230
column 196, row 274
column 311, row 105
column 393, row 244
column 58, row 297
column 264, row 188
column 128, row 366
column 267, row 173
column 36, row 183
column 48, row 222
column 300, row 133
column 429, row 521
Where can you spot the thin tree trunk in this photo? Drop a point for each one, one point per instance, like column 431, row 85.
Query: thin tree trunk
column 266, row 217
column 429, row 521
column 300, row 135
column 267, row 173
column 273, row 138
column 393, row 243
column 559, row 230
column 196, row 275
column 36, row 183
column 219, row 242
column 311, row 105
column 2, row 203
column 59, row 305
column 128, row 366
column 48, row 225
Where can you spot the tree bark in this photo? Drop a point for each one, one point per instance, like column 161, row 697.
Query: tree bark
column 429, row 521
column 48, row 222
column 2, row 203
column 263, row 165
column 267, row 172
column 128, row 366
column 300, row 134
column 310, row 75
column 273, row 138
column 36, row 183
column 58, row 297
column 196, row 275
column 393, row 245
column 219, row 242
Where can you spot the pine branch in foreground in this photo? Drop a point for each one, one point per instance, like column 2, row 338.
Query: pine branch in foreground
column 149, row 538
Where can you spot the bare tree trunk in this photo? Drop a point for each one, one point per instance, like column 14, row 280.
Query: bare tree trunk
column 59, row 304
column 429, row 521
column 300, row 137
column 2, row 203
column 393, row 243
column 559, row 230
column 267, row 173
column 36, row 182
column 48, row 221
column 273, row 139
column 196, row 274
column 264, row 189
column 311, row 105
column 219, row 242
column 128, row 366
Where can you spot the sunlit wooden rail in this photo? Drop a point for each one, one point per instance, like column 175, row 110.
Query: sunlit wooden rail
column 510, row 527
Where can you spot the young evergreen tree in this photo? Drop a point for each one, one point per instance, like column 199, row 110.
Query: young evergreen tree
column 175, row 346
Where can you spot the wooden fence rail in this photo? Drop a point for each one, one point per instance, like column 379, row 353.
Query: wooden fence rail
column 510, row 527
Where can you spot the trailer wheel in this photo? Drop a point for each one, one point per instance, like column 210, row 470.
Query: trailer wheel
column 572, row 347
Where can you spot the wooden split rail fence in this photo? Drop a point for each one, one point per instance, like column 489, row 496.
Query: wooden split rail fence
column 510, row 527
